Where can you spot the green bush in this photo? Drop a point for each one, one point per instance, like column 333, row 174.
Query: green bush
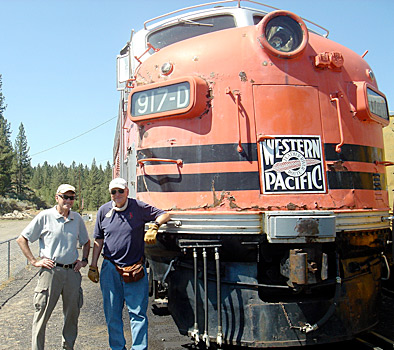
column 8, row 205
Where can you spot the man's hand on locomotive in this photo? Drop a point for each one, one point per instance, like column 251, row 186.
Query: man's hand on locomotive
column 150, row 235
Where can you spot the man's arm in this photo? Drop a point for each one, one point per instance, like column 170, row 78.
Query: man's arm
column 85, row 254
column 93, row 273
column 86, row 250
column 24, row 245
column 97, row 247
column 163, row 218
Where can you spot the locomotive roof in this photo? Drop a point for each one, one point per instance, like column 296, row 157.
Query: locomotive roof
column 205, row 18
column 219, row 8
column 243, row 16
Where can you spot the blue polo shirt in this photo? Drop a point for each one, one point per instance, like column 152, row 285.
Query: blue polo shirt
column 123, row 232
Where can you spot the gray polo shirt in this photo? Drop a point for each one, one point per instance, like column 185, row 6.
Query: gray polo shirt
column 58, row 237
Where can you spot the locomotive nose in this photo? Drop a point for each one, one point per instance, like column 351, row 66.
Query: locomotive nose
column 283, row 34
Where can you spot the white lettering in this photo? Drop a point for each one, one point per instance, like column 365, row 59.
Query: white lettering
column 307, row 148
column 316, row 148
column 317, row 177
column 300, row 146
column 269, row 180
column 185, row 102
column 162, row 99
column 303, row 180
column 279, row 182
column 278, row 147
column 287, row 182
column 285, row 145
column 268, row 152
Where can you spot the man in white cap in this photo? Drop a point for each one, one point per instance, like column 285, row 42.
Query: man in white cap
column 58, row 230
column 120, row 230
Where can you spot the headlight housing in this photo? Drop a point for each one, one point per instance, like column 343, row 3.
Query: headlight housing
column 371, row 104
column 283, row 34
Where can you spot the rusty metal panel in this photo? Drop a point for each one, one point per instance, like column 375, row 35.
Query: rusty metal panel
column 298, row 266
column 300, row 227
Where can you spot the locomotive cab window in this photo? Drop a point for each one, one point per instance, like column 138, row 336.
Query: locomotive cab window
column 257, row 19
column 187, row 28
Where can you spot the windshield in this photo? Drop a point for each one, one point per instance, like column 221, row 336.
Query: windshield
column 186, row 29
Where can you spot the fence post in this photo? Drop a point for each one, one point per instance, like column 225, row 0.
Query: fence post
column 9, row 259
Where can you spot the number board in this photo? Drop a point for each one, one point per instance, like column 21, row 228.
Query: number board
column 181, row 97
column 161, row 99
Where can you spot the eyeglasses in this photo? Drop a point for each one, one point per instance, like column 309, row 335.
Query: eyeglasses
column 64, row 196
column 121, row 190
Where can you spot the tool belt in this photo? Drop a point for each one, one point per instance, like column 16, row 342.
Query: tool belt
column 131, row 273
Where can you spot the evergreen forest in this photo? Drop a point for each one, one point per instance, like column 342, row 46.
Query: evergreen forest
column 24, row 186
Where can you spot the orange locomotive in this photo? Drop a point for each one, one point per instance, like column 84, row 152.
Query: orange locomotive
column 263, row 139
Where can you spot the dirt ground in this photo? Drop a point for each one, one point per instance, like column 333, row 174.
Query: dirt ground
column 11, row 228
column 16, row 312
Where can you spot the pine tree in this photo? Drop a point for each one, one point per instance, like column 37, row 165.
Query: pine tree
column 6, row 150
column 107, row 177
column 22, row 162
column 95, row 179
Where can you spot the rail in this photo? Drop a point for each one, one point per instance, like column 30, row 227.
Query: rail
column 12, row 260
column 226, row 2
column 375, row 341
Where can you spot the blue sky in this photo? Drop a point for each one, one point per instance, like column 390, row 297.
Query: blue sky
column 58, row 63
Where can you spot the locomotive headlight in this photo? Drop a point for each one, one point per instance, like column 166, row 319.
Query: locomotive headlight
column 167, row 68
column 283, row 34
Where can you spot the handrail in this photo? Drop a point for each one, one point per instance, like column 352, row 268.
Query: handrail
column 335, row 98
column 238, row 102
column 130, row 82
column 261, row 137
column 225, row 2
column 384, row 162
column 236, row 95
column 141, row 162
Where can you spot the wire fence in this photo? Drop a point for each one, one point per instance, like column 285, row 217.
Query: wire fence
column 12, row 260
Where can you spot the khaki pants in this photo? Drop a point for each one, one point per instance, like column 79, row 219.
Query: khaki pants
column 51, row 284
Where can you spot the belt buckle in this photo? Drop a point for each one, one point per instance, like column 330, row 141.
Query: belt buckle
column 67, row 266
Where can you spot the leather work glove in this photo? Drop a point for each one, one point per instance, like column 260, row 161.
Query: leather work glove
column 93, row 274
column 150, row 235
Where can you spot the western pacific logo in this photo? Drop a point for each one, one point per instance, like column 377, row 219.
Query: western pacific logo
column 292, row 164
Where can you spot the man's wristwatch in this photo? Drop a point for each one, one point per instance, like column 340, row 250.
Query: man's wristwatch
column 156, row 223
column 85, row 260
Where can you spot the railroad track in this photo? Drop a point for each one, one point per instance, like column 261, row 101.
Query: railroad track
column 388, row 292
column 375, row 341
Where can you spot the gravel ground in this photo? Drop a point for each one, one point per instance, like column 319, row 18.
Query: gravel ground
column 16, row 314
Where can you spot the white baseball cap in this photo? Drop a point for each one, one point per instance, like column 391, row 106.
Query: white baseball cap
column 65, row 188
column 117, row 183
